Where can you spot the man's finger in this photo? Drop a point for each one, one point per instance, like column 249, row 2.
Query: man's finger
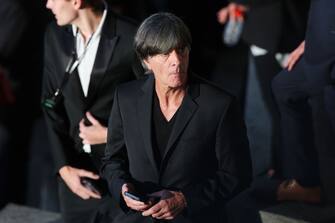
column 80, row 191
column 92, row 119
column 83, row 196
column 136, row 205
column 222, row 15
column 170, row 214
column 133, row 202
column 154, row 209
column 163, row 215
column 81, row 125
column 292, row 62
column 92, row 194
column 82, row 135
column 85, row 173
column 169, row 218
column 140, row 208
column 160, row 213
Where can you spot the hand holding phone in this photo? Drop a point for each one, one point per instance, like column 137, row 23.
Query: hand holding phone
column 135, row 200
column 136, row 196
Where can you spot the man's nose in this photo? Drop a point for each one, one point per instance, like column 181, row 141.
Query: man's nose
column 48, row 4
column 175, row 57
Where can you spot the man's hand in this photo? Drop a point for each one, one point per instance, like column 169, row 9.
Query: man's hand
column 133, row 204
column 230, row 12
column 93, row 134
column 170, row 205
column 295, row 56
column 71, row 177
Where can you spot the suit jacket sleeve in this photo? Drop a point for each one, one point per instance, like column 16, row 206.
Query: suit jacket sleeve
column 115, row 163
column 234, row 166
column 56, row 119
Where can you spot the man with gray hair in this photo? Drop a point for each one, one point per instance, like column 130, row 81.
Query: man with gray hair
column 173, row 139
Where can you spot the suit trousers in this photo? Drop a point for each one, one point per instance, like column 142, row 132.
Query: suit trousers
column 245, row 207
column 306, row 152
column 260, row 112
column 76, row 210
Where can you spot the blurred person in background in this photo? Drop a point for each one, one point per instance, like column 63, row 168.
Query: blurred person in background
column 307, row 135
column 271, row 29
column 87, row 54
column 301, row 91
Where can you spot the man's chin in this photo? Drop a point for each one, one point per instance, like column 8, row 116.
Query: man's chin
column 60, row 23
column 177, row 84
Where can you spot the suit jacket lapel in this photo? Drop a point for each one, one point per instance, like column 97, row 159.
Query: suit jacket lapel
column 185, row 113
column 144, row 109
column 73, row 89
column 103, row 58
column 67, row 47
column 76, row 91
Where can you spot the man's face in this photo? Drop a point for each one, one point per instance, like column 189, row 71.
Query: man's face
column 64, row 10
column 170, row 70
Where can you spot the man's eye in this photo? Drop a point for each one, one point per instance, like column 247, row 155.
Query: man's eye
column 165, row 55
column 181, row 51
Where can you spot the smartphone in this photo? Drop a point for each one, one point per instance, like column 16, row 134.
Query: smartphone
column 136, row 196
column 90, row 184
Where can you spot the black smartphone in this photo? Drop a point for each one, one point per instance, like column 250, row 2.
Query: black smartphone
column 90, row 184
column 136, row 196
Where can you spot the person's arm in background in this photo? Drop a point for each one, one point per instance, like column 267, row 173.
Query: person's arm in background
column 229, row 12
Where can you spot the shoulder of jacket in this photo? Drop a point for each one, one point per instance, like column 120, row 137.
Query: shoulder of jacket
column 131, row 87
column 212, row 89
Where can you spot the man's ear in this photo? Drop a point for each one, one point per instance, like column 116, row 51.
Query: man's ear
column 147, row 64
column 78, row 4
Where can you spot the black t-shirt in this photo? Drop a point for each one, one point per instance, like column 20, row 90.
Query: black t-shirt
column 161, row 130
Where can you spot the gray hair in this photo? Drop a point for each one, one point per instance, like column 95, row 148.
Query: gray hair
column 161, row 33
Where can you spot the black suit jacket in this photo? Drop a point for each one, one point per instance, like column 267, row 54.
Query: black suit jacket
column 115, row 63
column 206, row 157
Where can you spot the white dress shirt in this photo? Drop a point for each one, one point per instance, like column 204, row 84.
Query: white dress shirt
column 87, row 53
column 85, row 66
